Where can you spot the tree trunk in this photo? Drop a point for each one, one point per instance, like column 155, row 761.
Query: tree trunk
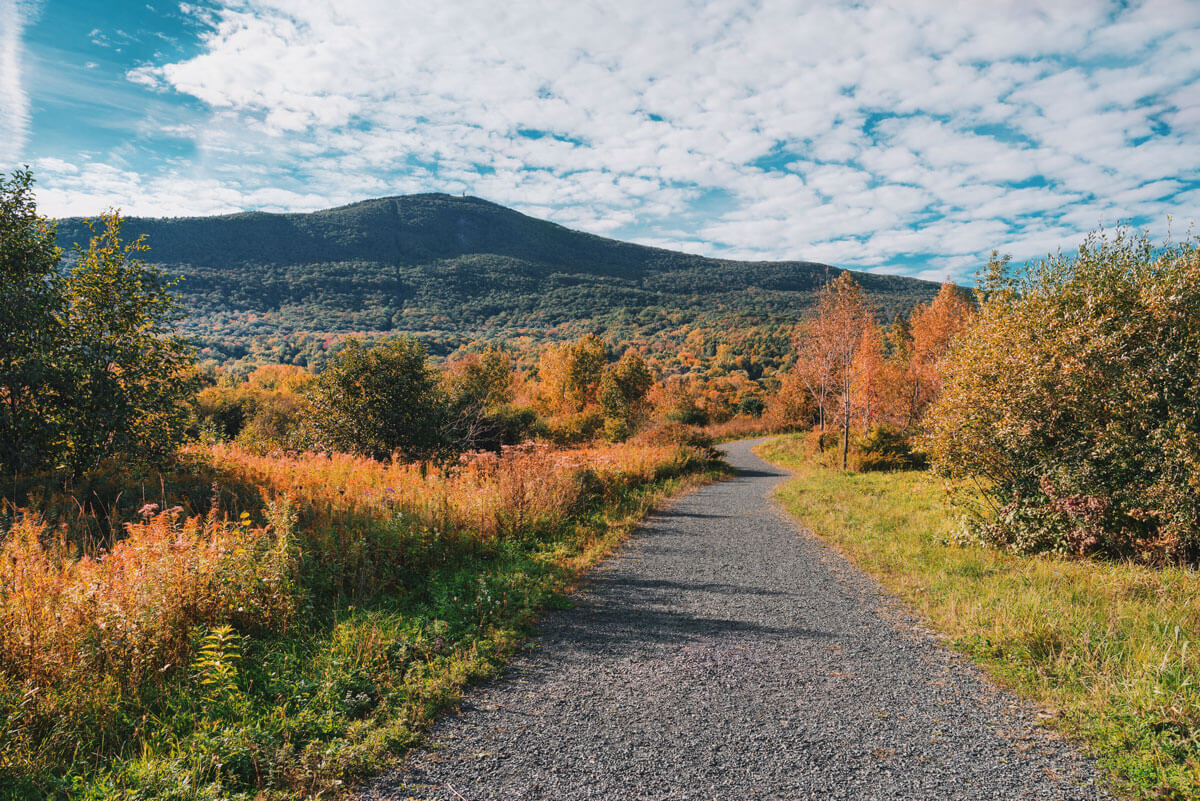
column 845, row 428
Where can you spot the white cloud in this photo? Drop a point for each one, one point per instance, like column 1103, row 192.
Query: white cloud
column 84, row 190
column 14, row 103
column 866, row 134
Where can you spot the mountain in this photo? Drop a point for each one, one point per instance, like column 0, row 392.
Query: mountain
column 456, row 268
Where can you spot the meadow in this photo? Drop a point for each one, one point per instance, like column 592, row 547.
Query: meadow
column 284, row 641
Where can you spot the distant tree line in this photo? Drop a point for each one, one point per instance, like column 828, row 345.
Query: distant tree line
column 439, row 268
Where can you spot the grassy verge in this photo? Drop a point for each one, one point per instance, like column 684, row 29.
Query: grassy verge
column 1108, row 649
column 354, row 619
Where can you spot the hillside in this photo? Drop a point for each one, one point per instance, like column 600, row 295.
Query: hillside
column 453, row 268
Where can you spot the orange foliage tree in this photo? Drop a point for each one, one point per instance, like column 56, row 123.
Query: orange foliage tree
column 570, row 375
column 830, row 346
column 933, row 328
column 898, row 387
column 814, row 367
column 870, row 374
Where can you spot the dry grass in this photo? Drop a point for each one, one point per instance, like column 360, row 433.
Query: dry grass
column 484, row 495
column 744, row 426
column 126, row 613
column 99, row 685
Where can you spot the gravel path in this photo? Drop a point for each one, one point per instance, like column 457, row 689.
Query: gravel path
column 725, row 654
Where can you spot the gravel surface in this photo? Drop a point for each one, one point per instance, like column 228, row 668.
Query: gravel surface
column 724, row 653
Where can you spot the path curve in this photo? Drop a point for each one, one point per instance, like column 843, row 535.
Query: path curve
column 723, row 653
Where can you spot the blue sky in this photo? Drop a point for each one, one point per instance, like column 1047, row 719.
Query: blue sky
column 904, row 137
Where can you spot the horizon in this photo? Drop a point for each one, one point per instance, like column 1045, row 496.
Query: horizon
column 915, row 144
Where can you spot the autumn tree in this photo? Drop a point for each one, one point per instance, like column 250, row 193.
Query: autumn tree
column 480, row 380
column 263, row 413
column 570, row 374
column 622, row 390
column 895, row 385
column 90, row 364
column 870, row 374
column 32, row 381
column 931, row 330
column 129, row 371
column 791, row 405
column 479, row 388
column 829, row 349
column 814, row 367
column 676, row 399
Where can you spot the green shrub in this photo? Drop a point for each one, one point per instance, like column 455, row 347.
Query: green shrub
column 884, row 447
column 517, row 424
column 579, row 427
column 751, row 405
column 1070, row 412
column 378, row 402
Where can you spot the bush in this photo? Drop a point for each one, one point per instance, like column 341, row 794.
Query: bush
column 880, row 447
column 745, row 426
column 818, row 442
column 275, row 424
column 516, row 424
column 751, row 406
column 679, row 434
column 884, row 447
column 378, row 402
column 687, row 413
column 1070, row 413
column 223, row 411
column 574, row 428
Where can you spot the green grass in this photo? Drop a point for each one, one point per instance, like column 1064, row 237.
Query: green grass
column 310, row 712
column 1109, row 650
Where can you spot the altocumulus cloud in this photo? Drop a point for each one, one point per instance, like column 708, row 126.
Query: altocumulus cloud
column 908, row 137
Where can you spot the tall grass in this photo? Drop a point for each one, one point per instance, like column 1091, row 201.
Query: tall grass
column 334, row 615
column 126, row 613
column 1109, row 649
column 744, row 426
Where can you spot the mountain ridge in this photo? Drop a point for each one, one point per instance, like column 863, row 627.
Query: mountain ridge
column 452, row 267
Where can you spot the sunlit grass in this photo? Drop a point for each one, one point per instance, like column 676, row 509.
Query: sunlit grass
column 1109, row 649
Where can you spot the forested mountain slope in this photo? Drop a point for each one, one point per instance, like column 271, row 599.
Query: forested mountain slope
column 453, row 268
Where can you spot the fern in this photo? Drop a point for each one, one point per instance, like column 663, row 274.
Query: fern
column 215, row 665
